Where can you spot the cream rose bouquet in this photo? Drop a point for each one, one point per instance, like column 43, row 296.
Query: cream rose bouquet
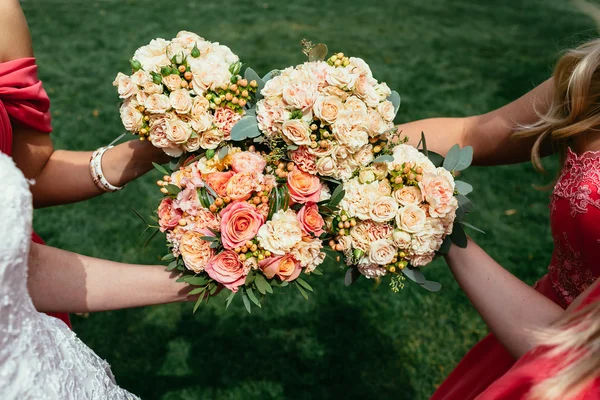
column 329, row 116
column 400, row 212
column 245, row 221
column 184, row 94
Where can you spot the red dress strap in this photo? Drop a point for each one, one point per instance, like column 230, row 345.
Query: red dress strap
column 23, row 100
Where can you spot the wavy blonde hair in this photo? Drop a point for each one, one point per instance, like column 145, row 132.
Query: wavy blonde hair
column 575, row 341
column 575, row 105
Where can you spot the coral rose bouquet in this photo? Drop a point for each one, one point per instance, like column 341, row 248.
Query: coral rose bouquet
column 245, row 221
column 329, row 115
column 400, row 212
column 184, row 95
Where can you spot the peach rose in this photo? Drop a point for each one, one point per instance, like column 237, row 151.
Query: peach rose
column 402, row 240
column 181, row 101
column 335, row 91
column 125, row 86
column 304, row 160
column 327, row 108
column 200, row 106
column 384, row 209
column 195, row 251
column 172, row 82
column 382, row 252
column 438, row 190
column 411, row 218
column 310, row 220
column 226, row 269
column 218, row 181
column 178, row 131
column 157, row 103
column 285, row 267
column 296, row 131
column 192, row 144
column 386, row 110
column 408, row 195
column 133, row 120
column 246, row 161
column 240, row 222
column 168, row 216
column 202, row 123
column 140, row 77
column 303, row 187
column 225, row 118
column 241, row 186
column 211, row 139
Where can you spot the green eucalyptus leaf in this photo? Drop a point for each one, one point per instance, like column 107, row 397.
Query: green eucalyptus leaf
column 210, row 153
column 223, row 152
column 432, row 286
column 245, row 128
column 465, row 158
column 468, row 225
column 463, row 187
column 452, row 158
column 395, row 99
column 446, row 244
column 270, row 75
column 435, row 158
column 351, row 276
column 318, row 53
column 384, row 158
column 458, row 235
column 251, row 75
column 465, row 203
column 414, row 274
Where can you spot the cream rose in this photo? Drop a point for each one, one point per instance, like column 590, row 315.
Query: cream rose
column 411, row 218
column 340, row 77
column 402, row 240
column 152, row 88
column 140, row 77
column 386, row 110
column 326, row 166
column 153, row 56
column 132, row 119
column 157, row 103
column 178, row 131
column 360, row 65
column 181, row 101
column 438, row 191
column 202, row 123
column 281, row 233
column 172, row 82
column 211, row 73
column 195, row 251
column 334, row 91
column 364, row 156
column 296, row 131
column 211, row 139
column 354, row 139
column 408, row 195
column 327, row 108
column 382, row 252
column 200, row 106
column 384, row 209
column 125, row 86
column 192, row 144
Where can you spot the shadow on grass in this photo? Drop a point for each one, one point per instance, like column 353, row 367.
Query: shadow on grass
column 330, row 352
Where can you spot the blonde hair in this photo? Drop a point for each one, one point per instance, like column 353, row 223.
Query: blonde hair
column 575, row 106
column 575, row 341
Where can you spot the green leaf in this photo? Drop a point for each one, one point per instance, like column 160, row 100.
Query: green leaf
column 245, row 128
column 468, row 225
column 318, row 53
column 414, row 274
column 452, row 158
column 261, row 283
column 235, row 68
column 351, row 276
column 458, row 235
column 435, row 158
column 292, row 147
column 251, row 75
column 211, row 191
column 215, row 245
column 384, row 158
column 395, row 99
column 270, row 75
column 463, row 187
column 150, row 238
column 229, row 299
column 195, row 280
column 168, row 257
column 139, row 216
column 246, row 302
column 172, row 189
column 432, row 286
column 198, row 302
column 304, row 284
column 252, row 297
column 465, row 203
column 302, row 291
column 250, row 278
column 223, row 152
column 172, row 265
column 460, row 214
column 446, row 244
column 284, row 284
column 197, row 291
column 156, row 78
column 337, row 196
column 465, row 158
column 210, row 153
column 161, row 169
column 317, row 272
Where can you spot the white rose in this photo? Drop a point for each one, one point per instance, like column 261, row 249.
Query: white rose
column 153, row 56
column 402, row 240
column 172, row 82
column 211, row 139
column 202, row 122
column 176, row 50
column 327, row 108
column 384, row 209
column 152, row 88
column 341, row 77
column 403, row 153
column 408, row 195
column 125, row 86
column 281, row 233
column 375, row 123
column 357, row 106
column 141, row 97
column 157, row 103
column 411, row 218
column 274, row 87
column 192, row 144
column 385, row 188
column 366, row 176
column 188, row 39
column 382, row 252
column 364, row 155
column 386, row 110
column 300, row 95
column 326, row 166
column 371, row 97
column 296, row 131
column 178, row 131
column 361, row 66
column 181, row 101
column 383, row 91
column 140, row 77
column 133, row 120
column 225, row 53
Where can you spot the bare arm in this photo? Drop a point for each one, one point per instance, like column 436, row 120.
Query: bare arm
column 489, row 134
column 61, row 281
column 511, row 309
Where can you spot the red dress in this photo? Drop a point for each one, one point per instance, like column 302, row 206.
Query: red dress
column 23, row 101
column 575, row 223
column 533, row 368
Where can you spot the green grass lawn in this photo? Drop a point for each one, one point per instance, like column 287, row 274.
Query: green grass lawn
column 445, row 57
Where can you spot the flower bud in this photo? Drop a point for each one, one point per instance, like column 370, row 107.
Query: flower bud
column 195, row 51
column 135, row 65
column 210, row 153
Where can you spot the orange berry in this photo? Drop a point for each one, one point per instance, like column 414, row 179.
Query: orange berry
column 227, row 199
column 182, row 68
column 212, row 208
column 219, row 202
column 188, row 76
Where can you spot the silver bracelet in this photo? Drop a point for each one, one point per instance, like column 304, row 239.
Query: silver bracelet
column 96, row 171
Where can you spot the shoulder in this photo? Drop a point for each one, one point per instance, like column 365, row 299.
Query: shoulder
column 15, row 39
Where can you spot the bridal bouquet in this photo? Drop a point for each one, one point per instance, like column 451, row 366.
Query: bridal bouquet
column 330, row 116
column 184, row 94
column 400, row 211
column 243, row 220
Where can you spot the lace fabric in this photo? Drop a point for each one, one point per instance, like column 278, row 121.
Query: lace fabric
column 40, row 357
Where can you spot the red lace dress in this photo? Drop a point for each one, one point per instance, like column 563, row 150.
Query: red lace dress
column 575, row 223
column 23, row 101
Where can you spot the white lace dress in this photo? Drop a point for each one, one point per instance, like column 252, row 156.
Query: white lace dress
column 40, row 357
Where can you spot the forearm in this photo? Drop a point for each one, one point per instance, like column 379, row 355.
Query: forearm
column 511, row 309
column 66, row 177
column 440, row 133
column 61, row 281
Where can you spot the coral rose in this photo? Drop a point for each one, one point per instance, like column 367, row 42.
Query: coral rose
column 241, row 186
column 240, row 222
column 310, row 220
column 218, row 181
column 303, row 187
column 227, row 269
column 168, row 216
column 285, row 267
